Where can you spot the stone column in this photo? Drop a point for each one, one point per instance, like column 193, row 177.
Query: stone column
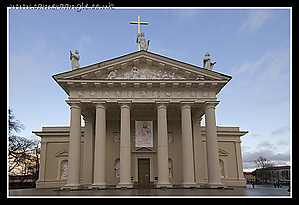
column 99, row 179
column 198, row 153
column 74, row 159
column 163, row 172
column 88, row 151
column 212, row 147
column 125, row 148
column 187, row 147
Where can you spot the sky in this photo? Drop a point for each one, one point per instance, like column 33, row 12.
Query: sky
column 251, row 45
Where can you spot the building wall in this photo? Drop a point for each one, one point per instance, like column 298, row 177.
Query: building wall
column 56, row 144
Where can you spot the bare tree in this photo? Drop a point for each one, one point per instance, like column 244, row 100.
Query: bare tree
column 263, row 166
column 262, row 162
column 14, row 124
column 23, row 153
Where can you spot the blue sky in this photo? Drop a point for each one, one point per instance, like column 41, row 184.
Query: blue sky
column 251, row 45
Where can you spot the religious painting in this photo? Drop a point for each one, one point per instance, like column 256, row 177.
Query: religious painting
column 143, row 133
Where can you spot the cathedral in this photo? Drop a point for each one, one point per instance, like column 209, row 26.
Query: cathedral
column 142, row 113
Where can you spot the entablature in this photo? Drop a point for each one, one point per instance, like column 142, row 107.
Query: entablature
column 96, row 85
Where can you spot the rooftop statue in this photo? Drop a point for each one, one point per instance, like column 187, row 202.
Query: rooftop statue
column 74, row 60
column 207, row 62
column 144, row 44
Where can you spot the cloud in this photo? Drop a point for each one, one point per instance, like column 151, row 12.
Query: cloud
column 255, row 135
column 84, row 42
column 280, row 130
column 259, row 102
column 271, row 70
column 279, row 61
column 277, row 152
column 250, row 67
column 278, row 158
column 265, row 152
column 266, row 144
column 255, row 20
column 185, row 14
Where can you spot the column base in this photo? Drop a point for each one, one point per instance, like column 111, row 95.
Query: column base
column 214, row 185
column 201, row 185
column 124, row 185
column 163, row 185
column 189, row 185
column 98, row 186
column 85, row 185
column 71, row 187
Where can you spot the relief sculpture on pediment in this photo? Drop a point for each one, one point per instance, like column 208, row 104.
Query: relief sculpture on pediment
column 145, row 73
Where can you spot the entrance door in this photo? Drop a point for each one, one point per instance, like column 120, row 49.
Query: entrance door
column 144, row 173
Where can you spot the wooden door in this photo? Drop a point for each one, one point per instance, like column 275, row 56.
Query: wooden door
column 144, row 173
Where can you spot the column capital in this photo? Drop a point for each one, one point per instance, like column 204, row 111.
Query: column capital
column 125, row 105
column 160, row 105
column 211, row 104
column 101, row 105
column 76, row 106
column 185, row 106
column 74, row 103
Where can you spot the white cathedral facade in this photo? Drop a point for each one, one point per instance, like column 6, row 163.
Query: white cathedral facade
column 142, row 114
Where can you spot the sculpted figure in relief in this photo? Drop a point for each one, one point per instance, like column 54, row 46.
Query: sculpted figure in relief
column 165, row 76
column 134, row 73
column 172, row 76
column 65, row 170
column 169, row 169
column 112, row 74
column 153, row 74
column 159, row 75
column 117, row 170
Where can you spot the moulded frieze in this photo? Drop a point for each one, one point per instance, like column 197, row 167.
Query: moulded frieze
column 131, row 93
column 156, row 94
column 192, row 94
column 205, row 94
column 105, row 93
column 142, row 93
column 180, row 93
column 118, row 93
column 80, row 93
column 93, row 93
column 168, row 93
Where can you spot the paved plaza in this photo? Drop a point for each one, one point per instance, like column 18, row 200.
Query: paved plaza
column 259, row 190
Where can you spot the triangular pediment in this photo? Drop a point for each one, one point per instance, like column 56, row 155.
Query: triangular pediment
column 62, row 153
column 143, row 149
column 142, row 65
column 222, row 152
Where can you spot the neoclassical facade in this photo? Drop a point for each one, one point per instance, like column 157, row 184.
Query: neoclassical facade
column 141, row 86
